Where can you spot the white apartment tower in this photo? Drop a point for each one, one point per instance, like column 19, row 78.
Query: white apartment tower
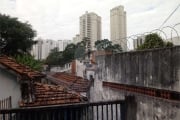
column 139, row 41
column 76, row 39
column 43, row 47
column 118, row 26
column 90, row 27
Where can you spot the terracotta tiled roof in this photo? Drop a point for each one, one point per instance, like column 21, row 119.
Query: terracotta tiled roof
column 75, row 83
column 52, row 95
column 19, row 68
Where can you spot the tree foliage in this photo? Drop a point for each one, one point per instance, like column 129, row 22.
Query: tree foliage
column 154, row 41
column 72, row 51
column 15, row 36
column 55, row 57
column 69, row 52
column 76, row 51
column 80, row 49
column 107, row 46
column 29, row 60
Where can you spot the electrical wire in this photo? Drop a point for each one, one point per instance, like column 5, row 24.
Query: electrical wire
column 169, row 16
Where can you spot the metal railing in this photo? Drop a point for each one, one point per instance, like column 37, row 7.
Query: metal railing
column 5, row 103
column 109, row 110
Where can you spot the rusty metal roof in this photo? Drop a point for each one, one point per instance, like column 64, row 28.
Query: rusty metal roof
column 52, row 95
column 20, row 69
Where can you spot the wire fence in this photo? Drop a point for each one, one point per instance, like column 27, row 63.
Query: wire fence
column 167, row 33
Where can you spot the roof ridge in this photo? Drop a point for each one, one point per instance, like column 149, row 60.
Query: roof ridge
column 19, row 68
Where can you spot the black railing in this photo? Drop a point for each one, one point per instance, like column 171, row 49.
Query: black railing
column 110, row 110
column 6, row 103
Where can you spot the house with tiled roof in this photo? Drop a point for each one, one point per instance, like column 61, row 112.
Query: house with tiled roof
column 26, row 90
column 72, row 82
column 45, row 95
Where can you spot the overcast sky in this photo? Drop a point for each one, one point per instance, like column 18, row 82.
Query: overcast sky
column 59, row 19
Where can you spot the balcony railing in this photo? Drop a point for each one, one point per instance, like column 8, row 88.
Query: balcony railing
column 109, row 110
column 6, row 103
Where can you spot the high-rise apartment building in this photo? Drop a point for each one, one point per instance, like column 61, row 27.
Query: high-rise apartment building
column 37, row 49
column 118, row 26
column 43, row 47
column 90, row 27
column 139, row 41
column 76, row 39
column 61, row 44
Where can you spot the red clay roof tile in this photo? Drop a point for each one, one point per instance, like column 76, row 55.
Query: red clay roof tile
column 52, row 95
column 19, row 68
column 75, row 83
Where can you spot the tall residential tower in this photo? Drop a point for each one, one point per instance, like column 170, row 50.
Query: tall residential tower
column 90, row 27
column 118, row 26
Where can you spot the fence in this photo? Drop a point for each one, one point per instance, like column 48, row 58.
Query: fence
column 5, row 103
column 110, row 110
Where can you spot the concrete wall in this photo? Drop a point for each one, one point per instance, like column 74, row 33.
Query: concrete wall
column 152, row 109
column 9, row 87
column 155, row 68
column 100, row 93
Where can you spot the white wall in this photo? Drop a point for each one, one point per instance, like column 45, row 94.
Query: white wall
column 89, row 73
column 80, row 68
column 9, row 87
column 65, row 68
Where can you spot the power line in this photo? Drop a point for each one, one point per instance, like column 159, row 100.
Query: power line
column 169, row 16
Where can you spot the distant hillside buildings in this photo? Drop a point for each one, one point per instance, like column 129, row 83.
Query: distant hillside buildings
column 89, row 28
column 118, row 26
column 43, row 47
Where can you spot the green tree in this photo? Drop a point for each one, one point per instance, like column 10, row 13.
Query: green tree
column 169, row 44
column 117, row 48
column 103, row 44
column 29, row 60
column 80, row 49
column 107, row 45
column 17, row 37
column 154, row 41
column 69, row 52
column 55, row 58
